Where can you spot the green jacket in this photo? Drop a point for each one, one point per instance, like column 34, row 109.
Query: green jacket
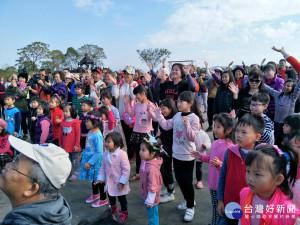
column 21, row 95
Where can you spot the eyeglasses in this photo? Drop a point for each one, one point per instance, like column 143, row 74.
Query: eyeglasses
column 253, row 80
column 12, row 167
column 255, row 105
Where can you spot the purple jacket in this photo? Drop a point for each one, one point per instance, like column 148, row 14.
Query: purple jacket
column 38, row 129
column 60, row 88
column 276, row 84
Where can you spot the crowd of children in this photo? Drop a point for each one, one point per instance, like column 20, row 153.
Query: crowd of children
column 156, row 121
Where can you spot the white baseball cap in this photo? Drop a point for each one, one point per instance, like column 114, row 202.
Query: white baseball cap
column 53, row 160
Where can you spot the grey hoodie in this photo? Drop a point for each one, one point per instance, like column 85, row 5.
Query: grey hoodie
column 50, row 211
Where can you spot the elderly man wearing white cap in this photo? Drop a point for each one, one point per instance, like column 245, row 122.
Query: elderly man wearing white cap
column 32, row 182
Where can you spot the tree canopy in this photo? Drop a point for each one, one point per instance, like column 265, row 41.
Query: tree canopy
column 94, row 52
column 32, row 54
column 154, row 56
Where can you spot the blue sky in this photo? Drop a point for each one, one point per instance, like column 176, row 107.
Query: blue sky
column 217, row 31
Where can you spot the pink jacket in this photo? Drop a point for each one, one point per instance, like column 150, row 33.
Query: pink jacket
column 143, row 117
column 115, row 169
column 150, row 178
column 218, row 149
column 272, row 218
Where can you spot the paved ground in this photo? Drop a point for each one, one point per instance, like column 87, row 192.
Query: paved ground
column 78, row 191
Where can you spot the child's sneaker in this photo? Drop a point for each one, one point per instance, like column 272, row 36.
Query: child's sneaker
column 99, row 203
column 123, row 216
column 167, row 198
column 73, row 177
column 189, row 214
column 199, row 185
column 164, row 191
column 182, row 205
column 92, row 198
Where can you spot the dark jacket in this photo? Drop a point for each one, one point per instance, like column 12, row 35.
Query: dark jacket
column 50, row 211
column 223, row 101
column 38, row 129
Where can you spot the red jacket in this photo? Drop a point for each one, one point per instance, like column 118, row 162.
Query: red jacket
column 295, row 63
column 271, row 217
column 235, row 175
column 69, row 135
column 56, row 114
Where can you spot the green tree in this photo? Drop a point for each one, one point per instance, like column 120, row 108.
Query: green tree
column 56, row 58
column 32, row 54
column 94, row 52
column 7, row 70
column 71, row 58
column 154, row 56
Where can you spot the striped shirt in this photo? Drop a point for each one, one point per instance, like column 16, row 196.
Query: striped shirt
column 77, row 102
column 268, row 135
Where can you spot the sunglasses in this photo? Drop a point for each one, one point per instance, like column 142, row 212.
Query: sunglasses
column 254, row 80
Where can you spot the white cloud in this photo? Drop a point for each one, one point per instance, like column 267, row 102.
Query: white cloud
column 98, row 7
column 228, row 29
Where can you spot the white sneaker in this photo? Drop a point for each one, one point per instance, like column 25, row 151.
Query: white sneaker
column 164, row 191
column 182, row 205
column 189, row 214
column 167, row 198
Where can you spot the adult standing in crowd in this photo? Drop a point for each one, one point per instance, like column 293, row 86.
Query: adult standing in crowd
column 96, row 84
column 32, row 183
column 20, row 90
column 38, row 87
column 59, row 87
column 118, row 91
column 275, row 82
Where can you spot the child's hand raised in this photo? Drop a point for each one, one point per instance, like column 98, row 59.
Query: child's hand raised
column 186, row 69
column 215, row 162
column 120, row 186
column 196, row 155
column 155, row 108
column 233, row 88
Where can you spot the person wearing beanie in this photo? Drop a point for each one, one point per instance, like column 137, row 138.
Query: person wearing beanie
column 5, row 152
column 20, row 90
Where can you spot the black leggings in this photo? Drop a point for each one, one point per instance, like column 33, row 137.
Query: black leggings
column 24, row 115
column 199, row 171
column 99, row 188
column 210, row 111
column 122, row 199
column 184, row 176
column 137, row 147
column 127, row 133
column 166, row 172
